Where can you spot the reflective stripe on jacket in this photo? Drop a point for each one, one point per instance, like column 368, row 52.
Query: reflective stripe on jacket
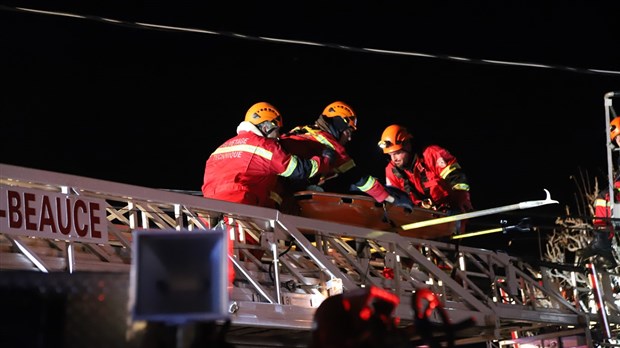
column 309, row 141
column 245, row 169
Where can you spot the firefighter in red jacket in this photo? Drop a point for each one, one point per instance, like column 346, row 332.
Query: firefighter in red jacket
column 333, row 130
column 245, row 168
column 600, row 245
column 433, row 180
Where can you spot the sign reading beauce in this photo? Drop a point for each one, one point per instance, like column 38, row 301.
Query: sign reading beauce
column 52, row 215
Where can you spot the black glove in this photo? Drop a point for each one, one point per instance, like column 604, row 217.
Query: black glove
column 316, row 188
column 401, row 198
column 404, row 202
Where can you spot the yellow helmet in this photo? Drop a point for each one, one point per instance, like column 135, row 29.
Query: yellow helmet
column 342, row 110
column 393, row 138
column 261, row 112
column 614, row 128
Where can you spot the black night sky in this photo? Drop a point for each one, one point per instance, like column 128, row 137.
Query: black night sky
column 124, row 103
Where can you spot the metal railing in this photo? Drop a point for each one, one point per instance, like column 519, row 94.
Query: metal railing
column 296, row 262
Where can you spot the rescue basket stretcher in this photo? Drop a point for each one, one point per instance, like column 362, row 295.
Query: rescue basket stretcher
column 364, row 211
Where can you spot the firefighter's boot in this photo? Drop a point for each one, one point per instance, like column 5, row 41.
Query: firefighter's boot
column 601, row 248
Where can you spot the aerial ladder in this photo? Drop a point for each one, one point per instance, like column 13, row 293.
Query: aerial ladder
column 302, row 262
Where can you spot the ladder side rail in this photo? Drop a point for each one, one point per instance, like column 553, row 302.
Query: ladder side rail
column 547, row 292
column 124, row 192
column 438, row 256
column 609, row 147
column 447, row 281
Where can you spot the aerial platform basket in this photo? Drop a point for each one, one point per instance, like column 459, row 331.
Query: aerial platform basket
column 364, row 211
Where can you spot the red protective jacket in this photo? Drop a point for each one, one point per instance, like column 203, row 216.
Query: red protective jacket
column 602, row 211
column 434, row 180
column 245, row 168
column 308, row 141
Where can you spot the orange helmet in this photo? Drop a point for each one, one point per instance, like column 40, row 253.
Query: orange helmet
column 342, row 110
column 614, row 128
column 393, row 138
column 261, row 112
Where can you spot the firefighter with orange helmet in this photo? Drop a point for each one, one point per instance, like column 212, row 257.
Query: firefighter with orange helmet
column 433, row 180
column 333, row 129
column 600, row 245
column 244, row 169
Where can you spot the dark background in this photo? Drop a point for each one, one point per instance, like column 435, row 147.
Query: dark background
column 120, row 102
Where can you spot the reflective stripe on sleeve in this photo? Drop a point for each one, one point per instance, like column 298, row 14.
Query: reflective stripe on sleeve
column 368, row 184
column 600, row 202
column 462, row 187
column 293, row 165
column 449, row 169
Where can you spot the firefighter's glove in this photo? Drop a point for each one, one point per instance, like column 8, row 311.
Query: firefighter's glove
column 399, row 198
column 316, row 188
column 461, row 201
column 353, row 188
